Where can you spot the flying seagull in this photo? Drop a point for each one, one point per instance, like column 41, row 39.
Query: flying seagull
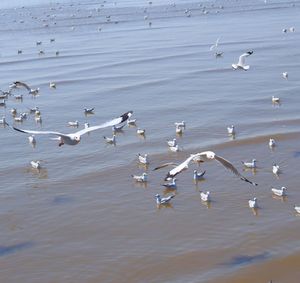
column 21, row 84
column 241, row 63
column 74, row 138
column 203, row 156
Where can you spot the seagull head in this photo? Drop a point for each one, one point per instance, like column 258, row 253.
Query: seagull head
column 77, row 138
column 250, row 52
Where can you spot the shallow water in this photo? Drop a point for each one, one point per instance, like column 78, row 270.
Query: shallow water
column 82, row 218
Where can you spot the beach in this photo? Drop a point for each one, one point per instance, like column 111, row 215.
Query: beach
column 82, row 218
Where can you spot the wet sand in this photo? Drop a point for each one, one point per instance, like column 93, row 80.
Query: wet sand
column 82, row 218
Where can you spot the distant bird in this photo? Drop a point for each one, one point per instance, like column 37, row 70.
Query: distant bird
column 111, row 140
column 241, row 63
column 52, row 39
column 18, row 96
column 202, row 157
column 73, row 123
column 272, row 143
column 285, row 75
column 3, row 103
column 39, row 43
column 52, row 85
column 140, row 131
column 172, row 142
column 297, row 208
column 143, row 159
column 205, row 196
column 57, row 53
column 171, row 185
column 284, row 30
column 275, row 169
column 251, row 164
column 292, row 29
column 36, row 164
column 38, row 119
column 197, row 176
column 75, row 138
column 20, row 51
column 13, row 111
column 3, row 121
column 253, row 203
column 231, row 130
column 19, row 119
column 116, row 129
column 142, row 178
column 218, row 54
column 86, row 125
column 89, row 110
column 131, row 122
column 160, row 200
column 32, row 140
column 22, row 84
column 279, row 192
column 275, row 99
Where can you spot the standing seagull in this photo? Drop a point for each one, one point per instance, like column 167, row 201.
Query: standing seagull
column 241, row 63
column 74, row 138
column 253, row 203
column 202, row 157
column 160, row 200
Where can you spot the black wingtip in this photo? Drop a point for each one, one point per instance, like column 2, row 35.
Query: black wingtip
column 125, row 116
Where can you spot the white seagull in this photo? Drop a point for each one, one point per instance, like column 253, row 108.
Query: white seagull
column 73, row 124
column 143, row 159
column 251, row 164
column 180, row 124
column 275, row 99
column 32, row 140
column 202, row 157
column 142, row 178
column 205, row 196
column 160, row 200
column 275, row 169
column 174, row 148
column 36, row 164
column 197, row 176
column 171, row 185
column 3, row 121
column 272, row 143
column 74, row 138
column 285, row 75
column 231, row 130
column 89, row 110
column 279, row 192
column 241, row 64
column 297, row 208
column 131, row 122
column 111, row 140
column 253, row 203
column 179, row 130
column 141, row 131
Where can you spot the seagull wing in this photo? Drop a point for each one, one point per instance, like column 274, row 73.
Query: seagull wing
column 18, row 83
column 180, row 167
column 165, row 165
column 230, row 167
column 38, row 132
column 110, row 123
column 243, row 57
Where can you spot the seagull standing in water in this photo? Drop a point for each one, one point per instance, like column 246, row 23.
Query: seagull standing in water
column 74, row 138
column 279, row 192
column 253, row 203
column 241, row 64
column 160, row 200
column 251, row 164
column 142, row 178
column 197, row 176
column 202, row 157
column 205, row 196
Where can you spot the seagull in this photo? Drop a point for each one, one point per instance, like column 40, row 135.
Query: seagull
column 13, row 111
column 116, row 129
column 180, row 124
column 197, row 176
column 272, row 143
column 142, row 178
column 131, row 122
column 292, row 29
column 89, row 110
column 3, row 103
column 171, row 185
column 73, row 123
column 241, row 63
column 34, row 109
column 202, row 157
column 160, row 200
column 36, row 164
column 275, row 169
column 19, row 119
column 275, row 99
column 52, row 85
column 205, row 196
column 140, row 131
column 172, row 142
column 179, row 130
column 251, row 164
column 74, row 138
column 86, row 125
column 253, row 203
column 215, row 45
column 32, row 140
column 21, row 84
column 297, row 208
column 231, row 130
column 110, row 140
column 143, row 159
column 3, row 121
column 18, row 96
column 285, row 75
column 279, row 192
column 218, row 54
